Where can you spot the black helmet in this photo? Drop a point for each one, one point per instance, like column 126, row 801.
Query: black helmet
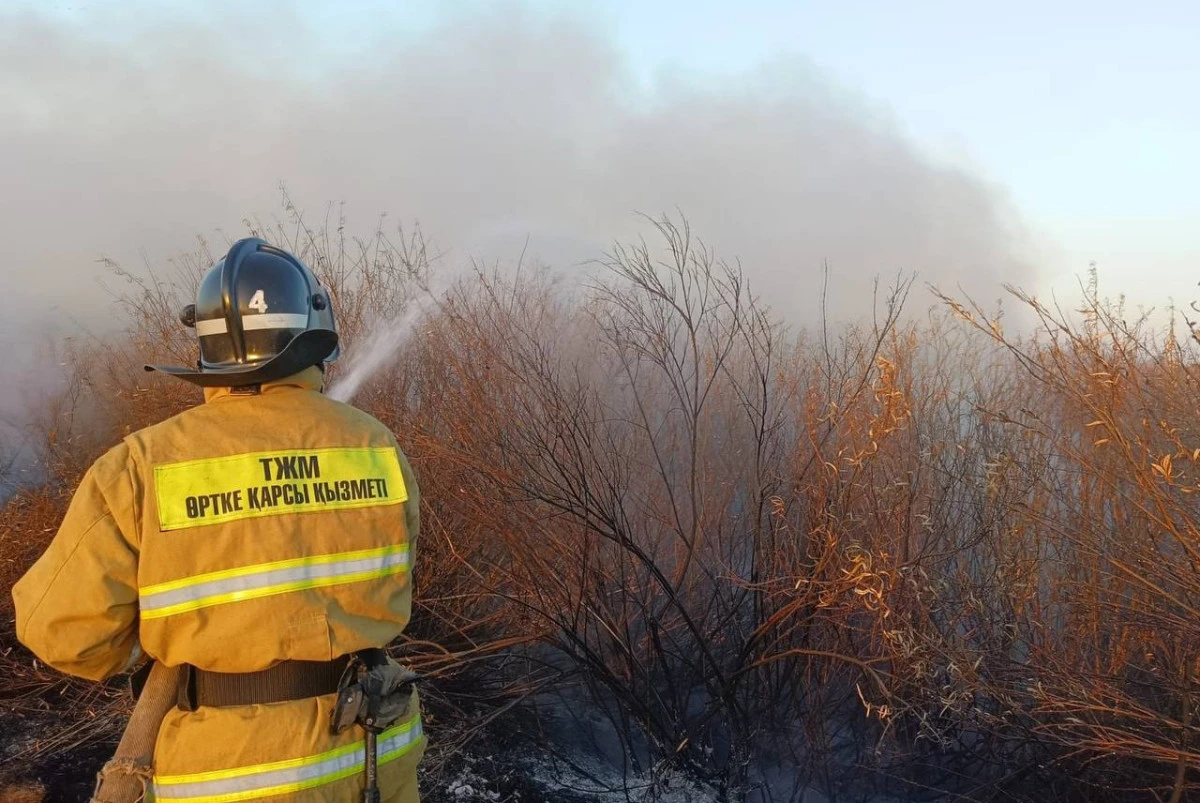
column 260, row 315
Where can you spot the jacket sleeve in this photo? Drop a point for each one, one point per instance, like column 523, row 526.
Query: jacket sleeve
column 76, row 607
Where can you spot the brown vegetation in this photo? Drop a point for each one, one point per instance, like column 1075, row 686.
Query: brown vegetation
column 23, row 793
column 921, row 557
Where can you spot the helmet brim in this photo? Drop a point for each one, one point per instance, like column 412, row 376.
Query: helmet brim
column 305, row 349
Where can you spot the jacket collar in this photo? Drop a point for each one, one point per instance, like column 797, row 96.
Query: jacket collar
column 309, row 379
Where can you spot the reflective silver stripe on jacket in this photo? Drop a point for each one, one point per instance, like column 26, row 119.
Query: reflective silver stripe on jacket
column 285, row 777
column 268, row 579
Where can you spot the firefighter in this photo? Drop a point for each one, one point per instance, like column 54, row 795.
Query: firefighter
column 259, row 541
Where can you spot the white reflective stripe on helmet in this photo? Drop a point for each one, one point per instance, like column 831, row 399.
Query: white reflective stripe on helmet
column 275, row 320
column 269, row 579
column 215, row 326
column 285, row 777
column 270, row 320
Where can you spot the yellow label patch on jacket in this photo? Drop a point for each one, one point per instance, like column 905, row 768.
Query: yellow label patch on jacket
column 195, row 493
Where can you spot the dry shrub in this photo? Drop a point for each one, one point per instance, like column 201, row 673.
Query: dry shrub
column 1111, row 671
column 921, row 556
column 664, row 510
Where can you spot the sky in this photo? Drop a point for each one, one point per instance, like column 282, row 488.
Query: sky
column 1082, row 110
column 975, row 144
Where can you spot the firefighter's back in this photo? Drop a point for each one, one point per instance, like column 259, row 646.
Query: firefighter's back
column 255, row 541
column 276, row 526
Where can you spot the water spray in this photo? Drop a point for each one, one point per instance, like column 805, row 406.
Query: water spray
column 385, row 341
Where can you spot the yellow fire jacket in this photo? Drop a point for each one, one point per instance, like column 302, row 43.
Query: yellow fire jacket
column 251, row 529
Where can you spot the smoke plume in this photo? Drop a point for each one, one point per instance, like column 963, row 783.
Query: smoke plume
column 128, row 134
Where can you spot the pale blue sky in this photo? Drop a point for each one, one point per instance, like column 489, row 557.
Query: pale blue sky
column 1084, row 112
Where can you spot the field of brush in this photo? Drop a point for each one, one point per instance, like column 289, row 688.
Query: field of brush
column 672, row 549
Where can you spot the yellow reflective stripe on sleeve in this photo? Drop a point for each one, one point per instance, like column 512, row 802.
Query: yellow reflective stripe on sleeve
column 268, row 579
column 285, row 777
column 195, row 493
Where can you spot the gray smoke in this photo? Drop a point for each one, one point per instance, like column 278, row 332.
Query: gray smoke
column 127, row 135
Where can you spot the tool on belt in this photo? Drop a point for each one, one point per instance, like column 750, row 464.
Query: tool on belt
column 374, row 693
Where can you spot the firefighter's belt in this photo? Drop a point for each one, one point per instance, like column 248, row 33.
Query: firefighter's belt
column 289, row 680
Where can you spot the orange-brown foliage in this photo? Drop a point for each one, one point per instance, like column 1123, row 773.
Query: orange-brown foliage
column 941, row 555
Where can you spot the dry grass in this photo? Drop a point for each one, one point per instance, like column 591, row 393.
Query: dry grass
column 23, row 793
column 920, row 555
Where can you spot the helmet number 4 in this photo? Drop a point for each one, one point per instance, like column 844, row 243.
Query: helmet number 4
column 258, row 301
